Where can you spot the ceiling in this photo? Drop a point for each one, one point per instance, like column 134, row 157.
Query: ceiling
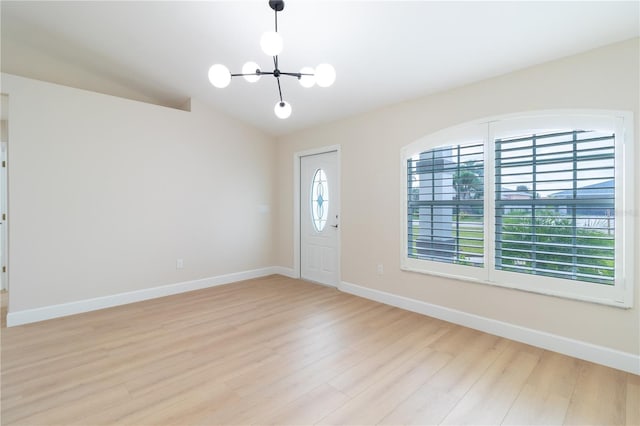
column 384, row 52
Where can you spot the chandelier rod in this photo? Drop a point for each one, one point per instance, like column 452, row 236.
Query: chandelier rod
column 276, row 71
column 279, row 89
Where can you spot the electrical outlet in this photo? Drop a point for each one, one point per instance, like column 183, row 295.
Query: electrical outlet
column 179, row 263
column 380, row 269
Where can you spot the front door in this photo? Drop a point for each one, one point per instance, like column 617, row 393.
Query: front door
column 319, row 218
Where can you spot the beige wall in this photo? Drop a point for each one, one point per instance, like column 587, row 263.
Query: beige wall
column 106, row 193
column 606, row 78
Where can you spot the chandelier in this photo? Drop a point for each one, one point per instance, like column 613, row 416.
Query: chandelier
column 323, row 75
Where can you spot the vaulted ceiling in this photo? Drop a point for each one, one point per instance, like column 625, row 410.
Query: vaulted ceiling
column 383, row 51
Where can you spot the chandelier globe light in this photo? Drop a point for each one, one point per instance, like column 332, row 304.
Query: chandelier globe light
column 307, row 77
column 282, row 110
column 249, row 70
column 219, row 76
column 324, row 75
column 271, row 43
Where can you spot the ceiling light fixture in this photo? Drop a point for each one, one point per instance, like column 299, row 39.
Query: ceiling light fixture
column 324, row 74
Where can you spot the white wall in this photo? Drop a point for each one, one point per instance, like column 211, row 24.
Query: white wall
column 106, row 193
column 606, row 78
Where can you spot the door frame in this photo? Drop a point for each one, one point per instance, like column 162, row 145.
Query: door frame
column 297, row 240
column 4, row 238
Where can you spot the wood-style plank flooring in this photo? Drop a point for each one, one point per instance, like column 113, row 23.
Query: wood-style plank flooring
column 282, row 351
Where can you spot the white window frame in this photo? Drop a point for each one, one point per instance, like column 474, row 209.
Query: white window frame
column 621, row 293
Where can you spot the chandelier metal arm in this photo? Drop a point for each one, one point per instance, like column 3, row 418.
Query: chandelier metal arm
column 279, row 89
column 295, row 74
column 276, row 73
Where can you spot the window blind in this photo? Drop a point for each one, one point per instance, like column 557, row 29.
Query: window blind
column 555, row 205
column 445, row 200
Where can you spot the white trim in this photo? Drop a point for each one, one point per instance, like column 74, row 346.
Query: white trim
column 28, row 316
column 629, row 215
column 4, row 238
column 576, row 348
column 296, row 215
column 296, row 205
column 284, row 271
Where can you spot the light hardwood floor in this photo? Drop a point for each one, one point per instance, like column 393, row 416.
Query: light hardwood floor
column 282, row 351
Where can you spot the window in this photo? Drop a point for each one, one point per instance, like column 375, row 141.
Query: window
column 540, row 203
column 553, row 205
column 319, row 200
column 445, row 204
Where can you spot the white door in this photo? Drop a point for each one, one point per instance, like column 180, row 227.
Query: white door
column 319, row 218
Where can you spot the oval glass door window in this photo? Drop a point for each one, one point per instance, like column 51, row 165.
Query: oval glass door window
column 319, row 200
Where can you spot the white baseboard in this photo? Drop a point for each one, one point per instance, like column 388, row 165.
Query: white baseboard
column 578, row 349
column 287, row 272
column 55, row 311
